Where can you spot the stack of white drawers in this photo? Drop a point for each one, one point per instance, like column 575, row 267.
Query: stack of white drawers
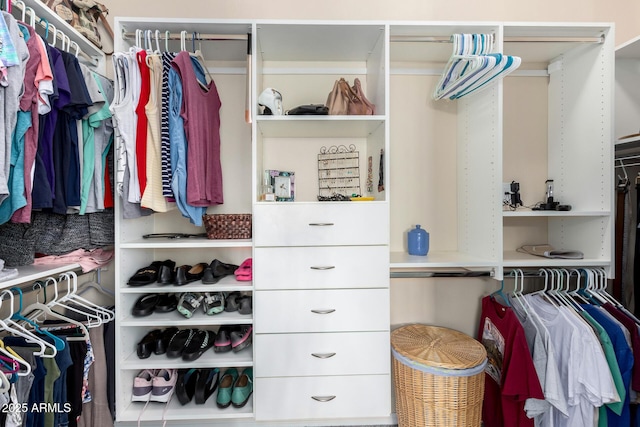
column 321, row 277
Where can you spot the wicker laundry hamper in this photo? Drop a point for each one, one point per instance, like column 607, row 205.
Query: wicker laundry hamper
column 438, row 376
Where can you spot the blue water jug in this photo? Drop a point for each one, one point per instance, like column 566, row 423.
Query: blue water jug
column 418, row 241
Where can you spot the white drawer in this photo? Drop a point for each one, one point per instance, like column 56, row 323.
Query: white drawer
column 352, row 396
column 341, row 353
column 318, row 224
column 321, row 267
column 321, row 311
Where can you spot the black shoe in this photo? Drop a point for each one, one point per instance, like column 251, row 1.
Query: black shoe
column 216, row 271
column 145, row 305
column 187, row 273
column 206, row 385
column 145, row 275
column 232, row 301
column 166, row 274
column 147, row 344
column 202, row 341
column 222, row 343
column 186, row 384
column 162, row 340
column 179, row 341
column 166, row 303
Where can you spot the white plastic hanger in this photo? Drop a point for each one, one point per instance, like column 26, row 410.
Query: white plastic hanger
column 37, row 308
column 14, row 328
column 93, row 318
column 105, row 314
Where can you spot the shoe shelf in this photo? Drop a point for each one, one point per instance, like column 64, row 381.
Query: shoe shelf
column 198, row 319
column 208, row 359
column 192, row 242
column 226, row 284
column 174, row 411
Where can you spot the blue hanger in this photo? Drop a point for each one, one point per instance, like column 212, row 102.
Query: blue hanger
column 58, row 342
column 500, row 293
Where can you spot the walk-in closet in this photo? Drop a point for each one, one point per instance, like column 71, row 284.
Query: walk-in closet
column 238, row 263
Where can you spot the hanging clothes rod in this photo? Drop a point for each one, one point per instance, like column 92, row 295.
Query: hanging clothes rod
column 442, row 273
column 190, row 36
column 514, row 39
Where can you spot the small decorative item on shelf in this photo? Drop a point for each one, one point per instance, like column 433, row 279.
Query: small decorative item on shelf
column 338, row 173
column 418, row 241
column 283, row 184
column 227, row 226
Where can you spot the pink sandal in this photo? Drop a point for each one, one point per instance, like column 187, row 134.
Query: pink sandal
column 243, row 272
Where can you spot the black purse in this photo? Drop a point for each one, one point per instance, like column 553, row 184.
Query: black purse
column 309, row 109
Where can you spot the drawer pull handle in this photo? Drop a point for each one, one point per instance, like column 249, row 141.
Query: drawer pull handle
column 323, row 398
column 327, row 311
column 322, row 267
column 320, row 224
column 323, row 355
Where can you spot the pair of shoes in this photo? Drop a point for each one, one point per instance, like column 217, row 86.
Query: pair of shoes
column 235, row 389
column 201, row 383
column 149, row 303
column 236, row 301
column 155, row 341
column 189, row 303
column 216, row 271
column 190, row 344
column 146, row 275
column 234, row 338
column 186, row 274
column 244, row 272
column 154, row 386
column 213, row 302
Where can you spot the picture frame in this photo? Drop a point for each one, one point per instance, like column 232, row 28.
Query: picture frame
column 283, row 183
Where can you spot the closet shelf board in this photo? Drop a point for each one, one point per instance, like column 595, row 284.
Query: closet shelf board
column 173, row 318
column 30, row 273
column 518, row 259
column 436, row 259
column 176, row 412
column 186, row 243
column 318, row 126
column 207, row 360
column 226, row 284
column 561, row 214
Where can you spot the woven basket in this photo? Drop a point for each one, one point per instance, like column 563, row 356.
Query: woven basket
column 438, row 375
column 228, row 226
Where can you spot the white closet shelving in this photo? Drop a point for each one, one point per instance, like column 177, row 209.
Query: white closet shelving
column 321, row 269
column 498, row 136
column 226, row 60
column 323, row 265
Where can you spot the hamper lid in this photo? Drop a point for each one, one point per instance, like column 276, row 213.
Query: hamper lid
column 437, row 346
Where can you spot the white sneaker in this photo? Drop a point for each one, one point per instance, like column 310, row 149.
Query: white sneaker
column 142, row 386
column 164, row 384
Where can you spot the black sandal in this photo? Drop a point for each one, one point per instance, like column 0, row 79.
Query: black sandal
column 186, row 384
column 206, row 385
column 202, row 341
column 145, row 305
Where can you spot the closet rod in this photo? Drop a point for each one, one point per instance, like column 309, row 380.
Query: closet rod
column 427, row 274
column 514, row 39
column 190, row 37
